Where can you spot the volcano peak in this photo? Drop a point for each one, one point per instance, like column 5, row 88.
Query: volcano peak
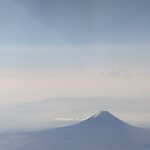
column 104, row 118
column 103, row 114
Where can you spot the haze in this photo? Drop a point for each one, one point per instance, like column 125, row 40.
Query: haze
column 80, row 49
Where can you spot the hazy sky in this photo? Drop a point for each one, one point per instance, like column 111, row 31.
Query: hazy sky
column 75, row 48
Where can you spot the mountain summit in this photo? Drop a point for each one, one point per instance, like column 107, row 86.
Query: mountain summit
column 104, row 118
column 103, row 114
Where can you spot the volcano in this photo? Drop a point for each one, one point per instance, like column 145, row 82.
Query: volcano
column 102, row 131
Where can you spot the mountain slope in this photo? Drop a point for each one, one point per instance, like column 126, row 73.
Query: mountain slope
column 99, row 132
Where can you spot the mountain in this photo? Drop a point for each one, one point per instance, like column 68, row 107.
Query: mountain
column 104, row 118
column 102, row 131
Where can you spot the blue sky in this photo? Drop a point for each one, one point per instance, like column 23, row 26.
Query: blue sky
column 74, row 48
column 74, row 22
column 74, row 33
column 73, row 57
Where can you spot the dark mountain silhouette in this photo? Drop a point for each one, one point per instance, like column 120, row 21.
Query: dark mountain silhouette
column 102, row 131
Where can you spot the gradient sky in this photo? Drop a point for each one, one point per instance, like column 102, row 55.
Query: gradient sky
column 70, row 34
column 74, row 48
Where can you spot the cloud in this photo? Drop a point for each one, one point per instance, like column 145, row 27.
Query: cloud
column 70, row 119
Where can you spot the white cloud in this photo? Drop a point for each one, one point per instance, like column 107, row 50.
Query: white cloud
column 70, row 119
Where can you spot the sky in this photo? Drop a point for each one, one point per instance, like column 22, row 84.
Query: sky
column 74, row 48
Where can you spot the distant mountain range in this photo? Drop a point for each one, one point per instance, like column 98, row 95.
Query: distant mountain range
column 102, row 131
